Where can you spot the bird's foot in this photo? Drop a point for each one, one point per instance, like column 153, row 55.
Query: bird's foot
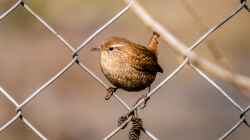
column 125, row 117
column 110, row 92
column 121, row 120
column 145, row 98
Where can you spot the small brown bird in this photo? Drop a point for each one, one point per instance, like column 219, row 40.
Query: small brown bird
column 128, row 65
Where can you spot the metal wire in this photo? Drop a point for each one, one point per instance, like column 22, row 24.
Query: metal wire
column 75, row 60
column 213, row 29
column 12, row 8
column 231, row 130
column 112, row 20
column 236, row 105
column 18, row 115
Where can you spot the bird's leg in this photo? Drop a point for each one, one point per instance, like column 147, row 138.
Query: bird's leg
column 145, row 98
column 110, row 93
column 125, row 117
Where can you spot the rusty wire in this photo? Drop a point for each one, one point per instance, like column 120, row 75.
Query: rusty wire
column 75, row 60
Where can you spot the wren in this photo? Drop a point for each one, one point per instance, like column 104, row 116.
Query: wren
column 128, row 65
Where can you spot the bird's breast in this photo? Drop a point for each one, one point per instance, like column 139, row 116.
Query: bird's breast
column 123, row 75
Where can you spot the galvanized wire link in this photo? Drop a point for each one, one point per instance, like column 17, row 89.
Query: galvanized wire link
column 213, row 29
column 231, row 130
column 12, row 8
column 66, row 43
column 237, row 125
column 75, row 60
column 10, row 122
column 236, row 105
column 18, row 116
column 112, row 20
column 245, row 111
column 48, row 83
column 34, row 129
column 226, row 95
column 243, row 114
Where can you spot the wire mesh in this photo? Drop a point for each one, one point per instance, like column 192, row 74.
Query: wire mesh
column 75, row 61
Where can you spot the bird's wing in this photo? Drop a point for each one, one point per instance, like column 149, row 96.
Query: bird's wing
column 145, row 61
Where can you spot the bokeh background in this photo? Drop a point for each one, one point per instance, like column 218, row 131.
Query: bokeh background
column 73, row 108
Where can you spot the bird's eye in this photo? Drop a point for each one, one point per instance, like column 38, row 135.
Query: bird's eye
column 111, row 49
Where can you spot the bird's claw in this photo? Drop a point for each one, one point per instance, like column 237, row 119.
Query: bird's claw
column 110, row 92
column 125, row 117
column 145, row 98
column 121, row 120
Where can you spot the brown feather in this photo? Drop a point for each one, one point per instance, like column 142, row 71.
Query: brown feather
column 128, row 65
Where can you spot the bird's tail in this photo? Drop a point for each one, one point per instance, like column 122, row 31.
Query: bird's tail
column 153, row 43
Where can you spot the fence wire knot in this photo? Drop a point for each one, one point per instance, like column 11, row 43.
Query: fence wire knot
column 244, row 2
column 76, row 57
column 243, row 114
column 22, row 3
column 19, row 111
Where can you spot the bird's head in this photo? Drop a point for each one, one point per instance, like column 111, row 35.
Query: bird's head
column 114, row 46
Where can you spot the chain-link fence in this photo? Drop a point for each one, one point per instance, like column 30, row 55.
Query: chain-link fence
column 75, row 61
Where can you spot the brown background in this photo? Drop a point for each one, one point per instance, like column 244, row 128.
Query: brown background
column 73, row 108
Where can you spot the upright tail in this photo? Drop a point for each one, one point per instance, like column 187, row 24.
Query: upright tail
column 153, row 43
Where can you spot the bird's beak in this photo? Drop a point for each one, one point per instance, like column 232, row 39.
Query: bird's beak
column 95, row 49
column 98, row 48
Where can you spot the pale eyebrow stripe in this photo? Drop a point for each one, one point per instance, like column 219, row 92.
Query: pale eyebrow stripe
column 117, row 45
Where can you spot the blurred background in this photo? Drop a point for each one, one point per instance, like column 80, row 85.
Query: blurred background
column 73, row 108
